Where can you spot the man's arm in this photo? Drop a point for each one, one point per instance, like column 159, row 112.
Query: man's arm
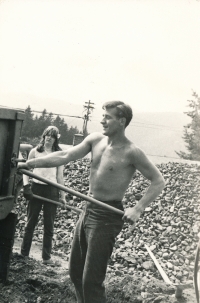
column 25, row 177
column 151, row 172
column 25, row 147
column 61, row 157
column 60, row 180
column 27, row 192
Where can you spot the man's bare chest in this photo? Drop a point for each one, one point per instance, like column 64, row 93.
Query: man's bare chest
column 110, row 159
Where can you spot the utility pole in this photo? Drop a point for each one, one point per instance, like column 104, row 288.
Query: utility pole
column 88, row 108
column 78, row 138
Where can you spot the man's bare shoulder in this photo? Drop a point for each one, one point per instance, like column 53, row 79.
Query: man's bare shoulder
column 134, row 148
column 137, row 154
column 95, row 137
column 33, row 150
column 143, row 164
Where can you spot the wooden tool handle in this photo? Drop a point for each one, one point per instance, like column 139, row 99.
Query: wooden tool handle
column 73, row 192
column 58, row 203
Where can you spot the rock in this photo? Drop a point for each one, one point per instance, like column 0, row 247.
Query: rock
column 148, row 209
column 148, row 265
column 169, row 229
column 165, row 255
column 159, row 299
column 131, row 260
column 174, row 248
column 127, row 243
column 170, row 265
column 152, row 247
column 145, row 295
column 119, row 273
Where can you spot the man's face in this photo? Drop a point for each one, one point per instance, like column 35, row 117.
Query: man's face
column 110, row 122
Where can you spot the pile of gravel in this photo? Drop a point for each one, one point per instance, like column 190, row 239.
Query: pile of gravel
column 169, row 226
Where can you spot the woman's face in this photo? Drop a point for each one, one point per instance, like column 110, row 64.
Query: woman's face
column 49, row 138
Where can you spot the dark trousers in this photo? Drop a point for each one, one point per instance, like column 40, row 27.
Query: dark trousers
column 91, row 249
column 49, row 214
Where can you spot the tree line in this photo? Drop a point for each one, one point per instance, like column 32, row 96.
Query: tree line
column 191, row 133
column 34, row 125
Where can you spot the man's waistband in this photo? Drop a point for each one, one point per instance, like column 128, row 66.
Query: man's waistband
column 114, row 203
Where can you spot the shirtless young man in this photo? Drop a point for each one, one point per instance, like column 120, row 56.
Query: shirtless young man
column 114, row 161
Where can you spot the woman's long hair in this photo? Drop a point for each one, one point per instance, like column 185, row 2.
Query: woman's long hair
column 54, row 132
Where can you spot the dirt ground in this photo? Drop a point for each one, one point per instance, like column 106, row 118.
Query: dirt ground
column 32, row 282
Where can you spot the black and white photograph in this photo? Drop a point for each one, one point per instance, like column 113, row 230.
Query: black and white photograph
column 100, row 151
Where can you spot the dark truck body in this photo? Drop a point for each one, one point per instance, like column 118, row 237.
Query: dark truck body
column 10, row 131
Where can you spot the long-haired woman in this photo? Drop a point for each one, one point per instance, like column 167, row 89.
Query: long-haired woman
column 49, row 143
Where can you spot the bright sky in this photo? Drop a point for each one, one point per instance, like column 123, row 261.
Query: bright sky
column 143, row 52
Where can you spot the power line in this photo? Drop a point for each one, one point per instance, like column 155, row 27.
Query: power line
column 35, row 111
column 135, row 125
column 89, row 107
column 146, row 123
column 86, row 118
column 153, row 124
column 171, row 129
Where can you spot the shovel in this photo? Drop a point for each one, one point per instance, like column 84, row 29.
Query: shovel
column 77, row 210
column 178, row 287
column 73, row 192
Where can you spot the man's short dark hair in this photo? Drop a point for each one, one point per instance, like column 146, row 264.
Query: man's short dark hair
column 123, row 110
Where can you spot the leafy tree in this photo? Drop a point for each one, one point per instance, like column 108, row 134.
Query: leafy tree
column 49, row 119
column 63, row 128
column 58, row 122
column 43, row 122
column 36, row 132
column 33, row 127
column 28, row 123
column 192, row 130
column 70, row 135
